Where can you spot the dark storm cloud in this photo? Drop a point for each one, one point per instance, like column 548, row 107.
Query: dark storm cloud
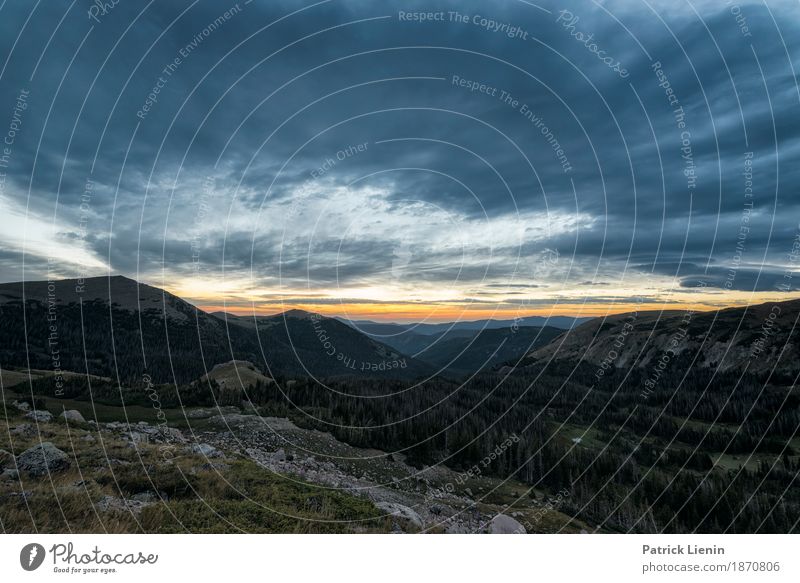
column 266, row 106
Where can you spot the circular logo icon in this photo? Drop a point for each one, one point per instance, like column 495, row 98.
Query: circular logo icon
column 31, row 556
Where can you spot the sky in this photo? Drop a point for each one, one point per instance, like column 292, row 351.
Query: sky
column 406, row 160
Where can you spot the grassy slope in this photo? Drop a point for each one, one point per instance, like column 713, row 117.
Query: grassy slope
column 238, row 497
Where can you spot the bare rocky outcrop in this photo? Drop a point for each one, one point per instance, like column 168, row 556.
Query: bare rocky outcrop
column 43, row 459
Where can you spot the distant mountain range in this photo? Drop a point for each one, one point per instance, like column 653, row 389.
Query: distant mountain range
column 115, row 327
column 425, row 329
column 468, row 341
column 484, row 349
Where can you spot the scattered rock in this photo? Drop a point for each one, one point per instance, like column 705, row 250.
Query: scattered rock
column 9, row 474
column 401, row 511
column 146, row 497
column 6, row 459
column 137, row 437
column 21, row 405
column 113, row 504
column 40, row 459
column 118, row 462
column 40, row 416
column 72, row 415
column 88, row 438
column 24, row 430
column 206, row 450
column 502, row 524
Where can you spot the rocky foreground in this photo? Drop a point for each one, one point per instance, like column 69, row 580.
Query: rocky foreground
column 150, row 477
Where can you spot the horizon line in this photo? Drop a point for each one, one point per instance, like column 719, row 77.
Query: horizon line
column 402, row 313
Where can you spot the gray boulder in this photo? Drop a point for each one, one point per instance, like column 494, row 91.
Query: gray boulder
column 21, row 405
column 72, row 415
column 37, row 460
column 6, row 459
column 401, row 511
column 502, row 524
column 40, row 416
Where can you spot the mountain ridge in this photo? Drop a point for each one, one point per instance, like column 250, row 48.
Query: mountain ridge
column 729, row 338
column 112, row 326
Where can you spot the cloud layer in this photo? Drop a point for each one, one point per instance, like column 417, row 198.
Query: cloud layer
column 405, row 151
